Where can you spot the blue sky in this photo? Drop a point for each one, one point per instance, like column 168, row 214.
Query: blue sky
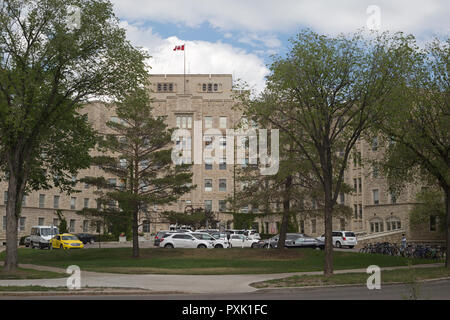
column 239, row 36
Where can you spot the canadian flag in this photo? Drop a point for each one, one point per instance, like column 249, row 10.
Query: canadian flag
column 179, row 48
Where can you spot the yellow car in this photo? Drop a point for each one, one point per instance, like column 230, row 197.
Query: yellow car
column 66, row 241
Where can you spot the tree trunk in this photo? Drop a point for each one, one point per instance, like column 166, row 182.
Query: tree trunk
column 13, row 209
column 447, row 211
column 286, row 211
column 328, row 194
column 135, row 235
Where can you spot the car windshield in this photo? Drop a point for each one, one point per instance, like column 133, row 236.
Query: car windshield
column 203, row 236
column 69, row 238
column 48, row 231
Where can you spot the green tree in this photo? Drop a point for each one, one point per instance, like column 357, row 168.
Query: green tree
column 49, row 68
column 417, row 129
column 430, row 205
column 62, row 228
column 137, row 151
column 323, row 95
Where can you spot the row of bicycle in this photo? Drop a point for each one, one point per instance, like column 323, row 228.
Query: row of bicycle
column 421, row 251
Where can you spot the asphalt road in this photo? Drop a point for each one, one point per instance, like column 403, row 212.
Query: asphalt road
column 433, row 290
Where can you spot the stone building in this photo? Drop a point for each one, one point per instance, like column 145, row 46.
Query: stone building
column 208, row 100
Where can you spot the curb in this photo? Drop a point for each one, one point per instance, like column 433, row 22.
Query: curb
column 345, row 285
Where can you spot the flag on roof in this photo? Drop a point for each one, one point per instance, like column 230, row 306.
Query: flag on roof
column 179, row 48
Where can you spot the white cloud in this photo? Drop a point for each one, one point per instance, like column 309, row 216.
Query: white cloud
column 201, row 56
column 328, row 16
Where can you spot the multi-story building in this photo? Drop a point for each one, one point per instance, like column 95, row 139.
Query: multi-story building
column 187, row 100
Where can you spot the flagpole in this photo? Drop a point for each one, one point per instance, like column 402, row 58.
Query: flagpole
column 184, row 70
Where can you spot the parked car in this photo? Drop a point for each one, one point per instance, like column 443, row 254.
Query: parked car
column 86, row 237
column 342, row 238
column 27, row 241
column 161, row 234
column 293, row 240
column 241, row 241
column 252, row 234
column 41, row 235
column 66, row 241
column 221, row 240
column 186, row 240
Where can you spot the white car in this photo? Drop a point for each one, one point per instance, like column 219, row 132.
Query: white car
column 241, row 241
column 41, row 235
column 221, row 240
column 187, row 240
column 342, row 238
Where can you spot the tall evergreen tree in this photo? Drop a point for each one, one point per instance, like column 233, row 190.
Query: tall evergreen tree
column 137, row 151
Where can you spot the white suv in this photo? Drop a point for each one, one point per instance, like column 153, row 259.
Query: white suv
column 342, row 238
column 187, row 240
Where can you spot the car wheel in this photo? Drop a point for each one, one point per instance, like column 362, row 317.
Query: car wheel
column 201, row 246
column 266, row 246
column 338, row 244
column 218, row 246
column 61, row 247
column 351, row 247
column 168, row 246
column 253, row 245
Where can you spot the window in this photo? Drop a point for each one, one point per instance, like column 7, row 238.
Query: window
column 342, row 198
column 222, row 164
column 393, row 198
column 146, row 226
column 112, row 182
column 5, row 197
column 393, row 223
column 24, row 201
column 222, row 205
column 4, row 222
column 375, row 173
column 222, row 184
column 56, row 202
column 244, row 209
column 313, row 226
column 355, row 207
column 216, row 87
column 41, row 200
column 208, row 164
column 223, row 122
column 222, row 142
column 302, row 226
column 360, row 211
column 210, row 86
column 208, row 122
column 22, row 223
column 86, row 203
column 433, row 223
column 73, row 203
column 41, row 221
column 208, row 205
column 55, row 221
column 184, row 121
column 360, row 184
column 165, row 87
column 355, row 185
column 85, row 225
column 208, row 184
column 72, row 225
column 376, row 225
column 375, row 194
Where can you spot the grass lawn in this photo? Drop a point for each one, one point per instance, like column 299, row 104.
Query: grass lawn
column 208, row 261
column 30, row 274
column 391, row 276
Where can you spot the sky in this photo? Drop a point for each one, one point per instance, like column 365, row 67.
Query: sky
column 240, row 37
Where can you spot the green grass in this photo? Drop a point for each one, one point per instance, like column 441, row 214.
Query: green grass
column 30, row 274
column 410, row 275
column 211, row 261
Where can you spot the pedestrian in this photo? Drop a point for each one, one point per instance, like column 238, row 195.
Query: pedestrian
column 403, row 241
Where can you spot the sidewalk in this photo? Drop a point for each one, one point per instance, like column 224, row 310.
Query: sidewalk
column 172, row 283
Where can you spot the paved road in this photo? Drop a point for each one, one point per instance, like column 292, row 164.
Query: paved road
column 435, row 290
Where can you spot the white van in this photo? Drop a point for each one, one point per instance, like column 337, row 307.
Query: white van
column 342, row 238
column 41, row 235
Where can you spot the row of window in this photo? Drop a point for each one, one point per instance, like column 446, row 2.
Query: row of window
column 56, row 201
column 185, row 122
column 55, row 222
column 209, row 185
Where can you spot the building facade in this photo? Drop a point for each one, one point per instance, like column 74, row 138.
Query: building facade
column 208, row 100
